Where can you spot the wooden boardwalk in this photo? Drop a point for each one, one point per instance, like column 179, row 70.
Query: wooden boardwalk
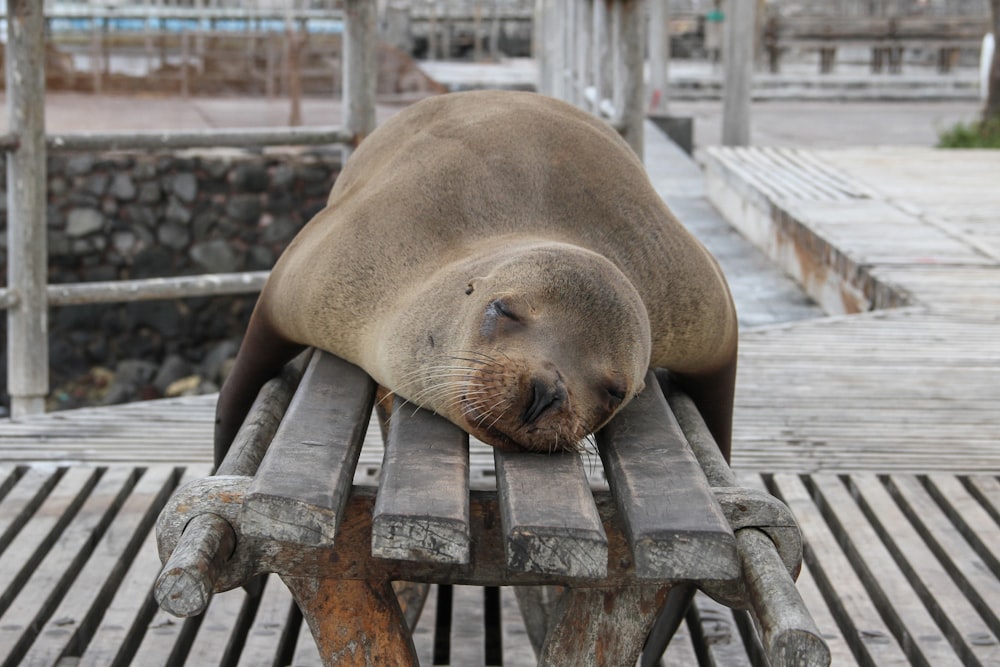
column 878, row 425
column 903, row 244
column 902, row 569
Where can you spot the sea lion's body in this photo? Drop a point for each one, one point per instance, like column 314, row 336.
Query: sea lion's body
column 502, row 259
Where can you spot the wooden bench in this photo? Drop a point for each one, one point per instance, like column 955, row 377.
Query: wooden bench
column 283, row 501
column 887, row 37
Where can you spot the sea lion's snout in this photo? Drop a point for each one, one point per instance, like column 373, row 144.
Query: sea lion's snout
column 547, row 393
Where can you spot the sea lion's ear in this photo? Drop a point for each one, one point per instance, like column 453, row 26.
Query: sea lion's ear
column 473, row 283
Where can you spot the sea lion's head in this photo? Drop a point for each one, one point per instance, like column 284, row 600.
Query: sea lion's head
column 531, row 349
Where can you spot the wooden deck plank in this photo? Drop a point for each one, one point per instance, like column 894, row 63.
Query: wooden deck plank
column 270, row 633
column 424, row 632
column 81, row 608
column 969, row 515
column 840, row 651
column 218, row 631
column 55, row 564
column 719, row 633
column 467, row 636
column 857, row 614
column 966, row 629
column 516, row 645
column 890, row 587
column 131, row 612
column 681, row 650
column 24, row 496
column 306, row 653
column 977, row 582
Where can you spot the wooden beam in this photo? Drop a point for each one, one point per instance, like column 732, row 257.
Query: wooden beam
column 27, row 256
column 737, row 55
column 360, row 68
column 659, row 55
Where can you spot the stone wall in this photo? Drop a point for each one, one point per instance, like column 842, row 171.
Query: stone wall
column 141, row 215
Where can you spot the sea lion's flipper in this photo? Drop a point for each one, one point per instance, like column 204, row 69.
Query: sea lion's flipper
column 262, row 355
column 713, row 394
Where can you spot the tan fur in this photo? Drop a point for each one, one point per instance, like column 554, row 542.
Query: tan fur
column 467, row 198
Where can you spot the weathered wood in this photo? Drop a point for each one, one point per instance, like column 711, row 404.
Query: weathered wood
column 354, row 622
column 84, row 604
column 360, row 68
column 48, row 574
column 26, row 493
column 184, row 587
column 27, row 258
column 304, row 480
column 675, row 526
column 270, row 632
column 517, row 647
column 548, row 515
column 258, row 429
column 132, row 618
column 965, row 629
column 467, row 645
column 737, row 57
column 849, row 600
column 595, row 627
column 411, row 597
column 219, row 623
column 536, row 604
column 790, row 635
column 51, row 499
column 715, row 629
column 632, row 43
column 422, row 509
column 213, row 138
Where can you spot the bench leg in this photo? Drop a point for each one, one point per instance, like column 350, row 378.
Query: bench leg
column 601, row 627
column 354, row 622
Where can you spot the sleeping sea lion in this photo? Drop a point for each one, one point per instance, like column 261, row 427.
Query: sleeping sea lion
column 501, row 259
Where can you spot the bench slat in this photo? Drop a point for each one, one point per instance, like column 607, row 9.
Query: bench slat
column 422, row 508
column 674, row 525
column 305, row 477
column 550, row 522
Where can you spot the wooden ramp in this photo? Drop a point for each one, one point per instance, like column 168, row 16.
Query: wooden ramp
column 902, row 569
column 905, row 244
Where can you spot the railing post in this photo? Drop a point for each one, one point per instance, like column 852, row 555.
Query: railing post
column 27, row 319
column 632, row 43
column 360, row 68
column 737, row 58
column 659, row 55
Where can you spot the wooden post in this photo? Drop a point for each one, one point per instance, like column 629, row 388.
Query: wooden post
column 360, row 68
column 495, row 32
column 631, row 42
column 432, row 32
column 27, row 319
column 96, row 59
column 737, row 58
column 477, row 32
column 601, row 66
column 659, row 56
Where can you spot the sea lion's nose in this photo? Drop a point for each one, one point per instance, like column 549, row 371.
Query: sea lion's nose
column 547, row 393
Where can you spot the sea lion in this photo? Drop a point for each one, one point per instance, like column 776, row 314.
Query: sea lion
column 502, row 259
